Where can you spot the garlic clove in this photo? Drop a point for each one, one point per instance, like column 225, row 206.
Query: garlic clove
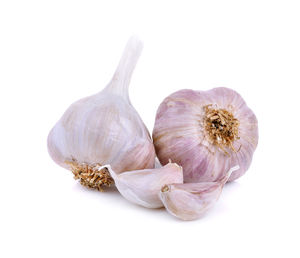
column 142, row 186
column 104, row 129
column 191, row 200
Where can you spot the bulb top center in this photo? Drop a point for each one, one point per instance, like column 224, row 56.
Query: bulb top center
column 221, row 127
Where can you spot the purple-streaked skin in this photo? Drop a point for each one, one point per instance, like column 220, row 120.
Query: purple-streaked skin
column 190, row 201
column 179, row 134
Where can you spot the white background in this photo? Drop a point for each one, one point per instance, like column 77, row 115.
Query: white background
column 55, row 52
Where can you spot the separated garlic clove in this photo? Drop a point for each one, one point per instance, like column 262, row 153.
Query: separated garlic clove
column 142, row 186
column 206, row 132
column 191, row 200
column 104, row 129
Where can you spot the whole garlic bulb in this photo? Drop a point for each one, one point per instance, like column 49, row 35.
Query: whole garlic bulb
column 206, row 132
column 104, row 129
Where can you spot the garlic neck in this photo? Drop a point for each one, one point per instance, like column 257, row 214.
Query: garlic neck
column 120, row 81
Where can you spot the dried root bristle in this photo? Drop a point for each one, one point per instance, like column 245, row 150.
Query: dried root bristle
column 222, row 127
column 91, row 176
column 165, row 188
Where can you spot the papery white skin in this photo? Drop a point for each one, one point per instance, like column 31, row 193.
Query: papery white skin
column 142, row 186
column 191, row 200
column 105, row 128
column 179, row 135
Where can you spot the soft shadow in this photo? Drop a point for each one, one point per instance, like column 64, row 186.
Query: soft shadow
column 230, row 186
column 112, row 190
column 113, row 194
column 160, row 213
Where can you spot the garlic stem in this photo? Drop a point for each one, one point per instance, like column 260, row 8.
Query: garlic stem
column 121, row 78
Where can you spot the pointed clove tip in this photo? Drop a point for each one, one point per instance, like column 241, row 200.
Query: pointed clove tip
column 235, row 168
column 174, row 164
column 110, row 170
column 228, row 174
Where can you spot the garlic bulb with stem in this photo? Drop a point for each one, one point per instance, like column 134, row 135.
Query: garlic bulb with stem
column 142, row 186
column 206, row 132
column 190, row 201
column 104, row 129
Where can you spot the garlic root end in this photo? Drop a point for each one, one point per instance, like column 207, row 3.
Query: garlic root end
column 92, row 176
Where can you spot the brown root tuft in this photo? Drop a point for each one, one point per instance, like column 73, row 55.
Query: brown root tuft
column 221, row 127
column 90, row 175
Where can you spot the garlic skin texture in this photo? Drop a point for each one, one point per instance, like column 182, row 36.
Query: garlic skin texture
column 191, row 200
column 142, row 186
column 206, row 132
column 105, row 128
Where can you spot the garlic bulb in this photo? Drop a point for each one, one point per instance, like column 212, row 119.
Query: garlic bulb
column 206, row 132
column 104, row 129
column 191, row 200
column 142, row 186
